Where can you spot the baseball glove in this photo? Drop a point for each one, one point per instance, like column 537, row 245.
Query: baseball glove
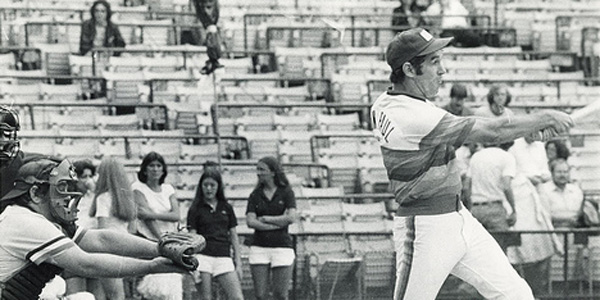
column 180, row 247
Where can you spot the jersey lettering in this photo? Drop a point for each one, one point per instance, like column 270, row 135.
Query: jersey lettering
column 384, row 125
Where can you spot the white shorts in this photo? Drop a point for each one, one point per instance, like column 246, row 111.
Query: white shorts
column 215, row 265
column 276, row 257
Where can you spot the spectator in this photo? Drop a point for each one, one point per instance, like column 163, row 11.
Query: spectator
column 408, row 14
column 489, row 177
column 458, row 94
column 271, row 209
column 498, row 99
column 452, row 17
column 208, row 11
column 158, row 212
column 99, row 31
column 563, row 197
column 114, row 209
column 86, row 171
column 557, row 149
column 531, row 159
column 40, row 239
column 211, row 216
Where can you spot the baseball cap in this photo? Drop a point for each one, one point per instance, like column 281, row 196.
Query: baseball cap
column 411, row 43
column 30, row 173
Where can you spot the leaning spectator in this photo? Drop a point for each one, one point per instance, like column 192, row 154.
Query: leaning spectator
column 563, row 197
column 498, row 98
column 489, row 177
column 408, row 14
column 452, row 17
column 531, row 160
column 99, row 31
column 458, row 94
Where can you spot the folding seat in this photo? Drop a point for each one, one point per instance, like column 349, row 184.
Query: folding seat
column 60, row 93
column 8, row 61
column 255, row 123
column 504, row 67
column 55, row 58
column 118, row 123
column 82, row 149
column 366, row 217
column 343, row 171
column 199, row 153
column 125, row 64
column 350, row 89
column 163, row 64
column 81, row 65
column 534, row 66
column 379, row 259
column 345, row 122
column 122, row 87
column 17, row 93
column 262, row 143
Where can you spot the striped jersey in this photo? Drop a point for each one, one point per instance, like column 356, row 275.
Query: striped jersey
column 417, row 142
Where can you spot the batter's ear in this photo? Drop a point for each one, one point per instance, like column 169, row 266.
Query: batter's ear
column 409, row 70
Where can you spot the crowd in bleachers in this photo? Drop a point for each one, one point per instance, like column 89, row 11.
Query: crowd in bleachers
column 297, row 80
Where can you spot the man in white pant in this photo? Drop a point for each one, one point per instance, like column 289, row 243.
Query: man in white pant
column 434, row 234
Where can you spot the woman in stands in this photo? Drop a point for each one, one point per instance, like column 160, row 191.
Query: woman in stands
column 158, row 212
column 498, row 98
column 557, row 149
column 114, row 209
column 271, row 209
column 99, row 31
column 211, row 216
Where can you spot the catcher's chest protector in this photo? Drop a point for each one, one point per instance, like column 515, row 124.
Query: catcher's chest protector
column 29, row 282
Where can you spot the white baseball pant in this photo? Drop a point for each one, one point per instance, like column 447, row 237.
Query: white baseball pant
column 430, row 247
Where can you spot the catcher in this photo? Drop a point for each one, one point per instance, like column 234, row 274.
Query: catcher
column 40, row 239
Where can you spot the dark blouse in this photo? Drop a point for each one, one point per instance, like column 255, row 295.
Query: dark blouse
column 261, row 205
column 214, row 225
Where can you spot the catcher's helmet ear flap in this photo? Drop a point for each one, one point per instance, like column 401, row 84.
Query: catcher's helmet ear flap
column 9, row 126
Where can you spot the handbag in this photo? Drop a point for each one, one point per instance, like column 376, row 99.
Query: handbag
column 590, row 216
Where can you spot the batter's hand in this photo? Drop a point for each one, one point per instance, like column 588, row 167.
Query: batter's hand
column 561, row 121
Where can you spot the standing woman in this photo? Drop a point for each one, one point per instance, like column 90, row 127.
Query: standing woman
column 271, row 209
column 114, row 209
column 212, row 217
column 158, row 212
column 99, row 31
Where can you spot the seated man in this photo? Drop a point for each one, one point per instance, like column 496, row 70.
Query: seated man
column 563, row 197
column 39, row 237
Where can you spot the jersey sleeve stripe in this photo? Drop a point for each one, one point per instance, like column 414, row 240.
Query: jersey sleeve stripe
column 450, row 130
column 79, row 234
column 42, row 252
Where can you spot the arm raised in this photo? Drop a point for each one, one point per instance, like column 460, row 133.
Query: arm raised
column 549, row 123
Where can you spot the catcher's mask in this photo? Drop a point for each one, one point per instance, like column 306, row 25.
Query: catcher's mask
column 9, row 125
column 61, row 179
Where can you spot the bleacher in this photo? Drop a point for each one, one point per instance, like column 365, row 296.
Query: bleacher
column 298, row 79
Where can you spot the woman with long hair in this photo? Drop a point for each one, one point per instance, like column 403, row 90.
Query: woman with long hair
column 114, row 209
column 498, row 99
column 99, row 31
column 158, row 212
column 271, row 209
column 212, row 217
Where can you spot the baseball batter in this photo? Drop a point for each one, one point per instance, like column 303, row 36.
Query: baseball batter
column 434, row 234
